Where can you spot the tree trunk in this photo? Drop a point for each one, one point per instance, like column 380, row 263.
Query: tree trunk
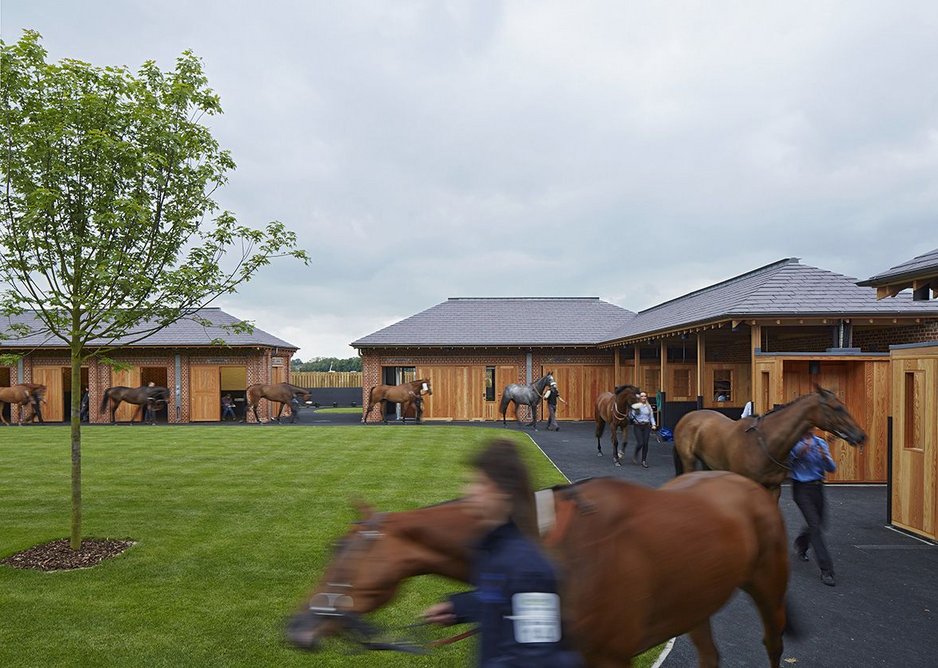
column 75, row 540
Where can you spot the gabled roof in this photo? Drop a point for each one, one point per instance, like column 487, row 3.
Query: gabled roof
column 504, row 321
column 180, row 334
column 919, row 273
column 785, row 288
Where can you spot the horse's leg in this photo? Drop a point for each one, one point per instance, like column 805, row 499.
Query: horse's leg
column 767, row 589
column 614, row 437
column 280, row 412
column 707, row 654
column 7, row 424
column 257, row 418
column 600, row 427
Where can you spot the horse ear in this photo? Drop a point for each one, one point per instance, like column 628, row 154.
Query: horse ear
column 365, row 510
column 820, row 390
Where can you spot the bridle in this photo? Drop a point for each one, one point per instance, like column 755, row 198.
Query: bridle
column 335, row 604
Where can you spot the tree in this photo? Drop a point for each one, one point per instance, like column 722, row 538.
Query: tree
column 327, row 364
column 108, row 184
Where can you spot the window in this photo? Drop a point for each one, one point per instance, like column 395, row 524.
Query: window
column 913, row 422
column 722, row 385
column 490, row 383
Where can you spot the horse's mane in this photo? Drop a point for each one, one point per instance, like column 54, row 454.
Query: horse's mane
column 622, row 388
column 778, row 409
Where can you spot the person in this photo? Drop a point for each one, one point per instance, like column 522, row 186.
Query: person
column 552, row 395
column 747, row 410
column 515, row 600
column 643, row 422
column 810, row 460
column 721, row 397
column 227, row 408
column 84, row 405
column 149, row 413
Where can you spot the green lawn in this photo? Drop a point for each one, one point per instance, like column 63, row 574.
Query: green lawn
column 233, row 526
column 347, row 410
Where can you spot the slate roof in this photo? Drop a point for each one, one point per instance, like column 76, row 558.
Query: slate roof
column 178, row 335
column 923, row 266
column 504, row 321
column 785, row 288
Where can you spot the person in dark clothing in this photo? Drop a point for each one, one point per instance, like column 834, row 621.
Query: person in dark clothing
column 810, row 460
column 83, row 406
column 643, row 423
column 516, row 601
column 227, row 408
column 552, row 395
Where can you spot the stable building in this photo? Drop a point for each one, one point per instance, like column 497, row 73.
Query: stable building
column 185, row 357
column 472, row 347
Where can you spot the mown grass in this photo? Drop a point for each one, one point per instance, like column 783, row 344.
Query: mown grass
column 233, row 527
column 347, row 410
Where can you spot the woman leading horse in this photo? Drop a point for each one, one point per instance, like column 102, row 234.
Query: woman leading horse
column 147, row 398
column 528, row 395
column 641, row 565
column 758, row 448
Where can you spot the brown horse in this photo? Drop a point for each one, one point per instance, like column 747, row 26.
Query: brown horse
column 639, row 565
column 30, row 395
column 282, row 393
column 613, row 408
column 147, row 399
column 405, row 394
column 758, row 447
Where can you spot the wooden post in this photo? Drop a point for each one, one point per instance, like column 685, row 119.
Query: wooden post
column 637, row 372
column 755, row 343
column 615, row 368
column 701, row 361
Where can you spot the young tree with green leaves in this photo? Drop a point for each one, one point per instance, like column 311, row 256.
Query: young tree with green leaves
column 109, row 231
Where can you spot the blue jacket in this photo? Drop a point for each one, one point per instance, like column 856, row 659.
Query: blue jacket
column 810, row 461
column 515, row 603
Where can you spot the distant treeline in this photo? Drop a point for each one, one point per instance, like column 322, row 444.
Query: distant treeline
column 327, row 364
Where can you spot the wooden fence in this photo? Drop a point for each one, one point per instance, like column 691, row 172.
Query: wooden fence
column 312, row 379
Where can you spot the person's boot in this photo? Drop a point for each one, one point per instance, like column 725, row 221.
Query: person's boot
column 827, row 577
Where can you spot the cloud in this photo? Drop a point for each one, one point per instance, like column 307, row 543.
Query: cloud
column 634, row 151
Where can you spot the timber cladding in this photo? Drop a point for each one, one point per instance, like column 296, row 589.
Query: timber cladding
column 914, row 410
column 460, row 376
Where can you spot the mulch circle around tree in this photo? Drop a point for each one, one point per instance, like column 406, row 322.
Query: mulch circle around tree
column 58, row 556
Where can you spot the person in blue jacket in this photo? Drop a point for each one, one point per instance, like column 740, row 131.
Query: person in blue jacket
column 516, row 601
column 810, row 460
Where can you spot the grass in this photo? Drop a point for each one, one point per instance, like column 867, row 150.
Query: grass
column 341, row 411
column 233, row 527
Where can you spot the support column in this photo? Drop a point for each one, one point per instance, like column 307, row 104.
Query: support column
column 755, row 345
column 701, row 361
column 615, row 367
column 637, row 380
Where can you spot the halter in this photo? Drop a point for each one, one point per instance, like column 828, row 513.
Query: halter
column 337, row 604
column 765, row 448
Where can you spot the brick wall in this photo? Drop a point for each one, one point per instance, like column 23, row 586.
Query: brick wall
column 878, row 339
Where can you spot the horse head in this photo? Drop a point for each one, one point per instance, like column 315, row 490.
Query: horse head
column 833, row 416
column 369, row 563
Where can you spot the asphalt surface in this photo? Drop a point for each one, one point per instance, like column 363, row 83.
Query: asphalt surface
column 882, row 612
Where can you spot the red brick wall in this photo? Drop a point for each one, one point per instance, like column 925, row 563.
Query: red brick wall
column 878, row 339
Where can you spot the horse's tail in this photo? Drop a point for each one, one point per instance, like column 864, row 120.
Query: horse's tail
column 105, row 399
column 503, row 406
column 678, row 462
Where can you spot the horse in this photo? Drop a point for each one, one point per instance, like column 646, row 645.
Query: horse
column 614, row 409
column 405, row 394
column 638, row 566
column 528, row 395
column 144, row 397
column 283, row 393
column 30, row 395
column 758, row 447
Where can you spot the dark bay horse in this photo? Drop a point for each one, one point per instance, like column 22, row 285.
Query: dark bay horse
column 758, row 447
column 639, row 565
column 147, row 399
column 405, row 394
column 30, row 395
column 282, row 393
column 527, row 395
column 614, row 408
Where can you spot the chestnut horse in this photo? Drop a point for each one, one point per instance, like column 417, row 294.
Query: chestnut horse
column 30, row 395
column 614, row 408
column 405, row 394
column 639, row 566
column 147, row 398
column 758, row 447
column 282, row 393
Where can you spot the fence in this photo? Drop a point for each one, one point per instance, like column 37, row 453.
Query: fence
column 311, row 379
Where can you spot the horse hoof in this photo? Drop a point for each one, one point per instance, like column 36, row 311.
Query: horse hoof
column 618, row 463
column 599, row 454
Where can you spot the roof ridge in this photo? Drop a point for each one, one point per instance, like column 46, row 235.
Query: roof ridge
column 778, row 264
column 521, row 298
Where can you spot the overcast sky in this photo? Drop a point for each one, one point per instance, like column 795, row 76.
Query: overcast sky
column 631, row 151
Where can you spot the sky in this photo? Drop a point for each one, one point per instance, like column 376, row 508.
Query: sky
column 628, row 151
